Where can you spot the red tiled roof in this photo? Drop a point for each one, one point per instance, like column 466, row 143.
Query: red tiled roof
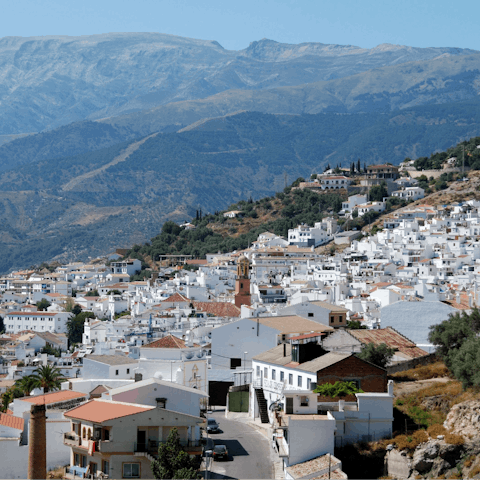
column 11, row 421
column 170, row 341
column 219, row 309
column 40, row 314
column 10, row 412
column 53, row 397
column 102, row 411
column 176, row 297
column 391, row 338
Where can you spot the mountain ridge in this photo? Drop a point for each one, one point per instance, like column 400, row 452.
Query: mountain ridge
column 56, row 80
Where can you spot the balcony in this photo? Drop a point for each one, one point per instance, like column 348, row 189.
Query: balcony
column 75, row 473
column 71, row 439
column 192, row 447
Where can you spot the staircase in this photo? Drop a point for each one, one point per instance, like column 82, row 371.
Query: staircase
column 262, row 405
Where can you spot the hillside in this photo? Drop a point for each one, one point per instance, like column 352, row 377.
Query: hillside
column 56, row 80
column 88, row 204
column 438, row 81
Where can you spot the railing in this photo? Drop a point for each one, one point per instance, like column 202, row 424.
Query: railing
column 72, row 439
column 75, row 471
column 152, row 445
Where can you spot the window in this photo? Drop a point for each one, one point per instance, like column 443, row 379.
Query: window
column 273, row 374
column 128, row 370
column 116, row 372
column 258, row 371
column 235, row 362
column 265, row 372
column 131, row 470
column 309, row 382
column 282, row 376
column 105, row 467
column 84, row 433
column 299, row 382
column 77, row 460
column 304, row 401
column 332, row 319
column 310, row 314
column 290, row 379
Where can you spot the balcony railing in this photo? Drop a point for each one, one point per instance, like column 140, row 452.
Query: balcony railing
column 75, row 473
column 71, row 439
column 151, row 446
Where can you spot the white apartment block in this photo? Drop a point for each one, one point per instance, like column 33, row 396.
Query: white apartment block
column 55, row 322
column 410, row 193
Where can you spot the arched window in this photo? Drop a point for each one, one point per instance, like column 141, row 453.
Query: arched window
column 84, row 435
column 89, row 433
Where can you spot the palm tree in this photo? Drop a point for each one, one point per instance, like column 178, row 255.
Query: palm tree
column 7, row 398
column 48, row 377
column 26, row 385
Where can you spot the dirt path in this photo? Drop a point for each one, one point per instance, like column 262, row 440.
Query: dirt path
column 119, row 158
column 402, row 388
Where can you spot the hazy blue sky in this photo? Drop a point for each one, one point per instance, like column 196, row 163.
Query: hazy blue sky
column 234, row 25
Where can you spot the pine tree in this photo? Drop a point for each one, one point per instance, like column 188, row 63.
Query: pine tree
column 359, row 168
column 173, row 461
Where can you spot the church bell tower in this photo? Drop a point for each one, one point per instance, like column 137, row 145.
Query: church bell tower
column 242, row 282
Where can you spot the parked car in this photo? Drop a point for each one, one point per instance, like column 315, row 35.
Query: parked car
column 212, row 425
column 220, row 451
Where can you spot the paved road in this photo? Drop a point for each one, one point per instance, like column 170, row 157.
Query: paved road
column 250, row 452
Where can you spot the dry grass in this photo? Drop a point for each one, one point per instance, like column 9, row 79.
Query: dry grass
column 474, row 471
column 435, row 430
column 56, row 473
column 411, row 404
column 422, row 372
column 454, row 439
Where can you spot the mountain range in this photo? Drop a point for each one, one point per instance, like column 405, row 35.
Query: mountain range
column 134, row 129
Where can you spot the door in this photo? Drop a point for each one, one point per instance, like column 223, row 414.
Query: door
column 141, row 441
column 289, row 405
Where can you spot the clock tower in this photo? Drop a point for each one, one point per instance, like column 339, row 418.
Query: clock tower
column 242, row 282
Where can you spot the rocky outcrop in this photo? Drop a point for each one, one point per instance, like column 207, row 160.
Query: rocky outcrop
column 431, row 459
column 464, row 418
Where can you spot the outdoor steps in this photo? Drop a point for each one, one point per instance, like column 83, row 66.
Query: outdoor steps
column 262, row 405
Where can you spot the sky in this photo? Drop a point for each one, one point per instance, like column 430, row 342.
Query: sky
column 367, row 23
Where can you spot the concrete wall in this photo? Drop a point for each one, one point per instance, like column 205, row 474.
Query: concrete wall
column 177, row 399
column 13, row 458
column 309, row 439
column 233, row 339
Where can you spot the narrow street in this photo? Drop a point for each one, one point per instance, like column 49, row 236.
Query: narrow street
column 249, row 451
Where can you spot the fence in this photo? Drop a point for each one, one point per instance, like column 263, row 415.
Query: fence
column 238, row 401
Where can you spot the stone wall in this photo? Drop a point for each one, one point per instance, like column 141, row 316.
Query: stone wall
column 408, row 364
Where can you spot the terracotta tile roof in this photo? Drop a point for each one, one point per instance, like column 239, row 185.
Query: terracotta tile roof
column 176, row 297
column 102, row 411
column 219, row 309
column 33, row 314
column 53, row 397
column 391, row 338
column 11, row 421
column 10, row 412
column 169, row 341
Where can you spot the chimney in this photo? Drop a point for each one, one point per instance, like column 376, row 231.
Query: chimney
column 37, row 443
column 390, row 387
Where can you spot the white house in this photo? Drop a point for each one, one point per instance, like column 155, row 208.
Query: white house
column 121, row 439
column 305, row 236
column 129, row 267
column 55, row 322
column 333, row 181
column 109, row 366
column 410, row 193
column 352, row 202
